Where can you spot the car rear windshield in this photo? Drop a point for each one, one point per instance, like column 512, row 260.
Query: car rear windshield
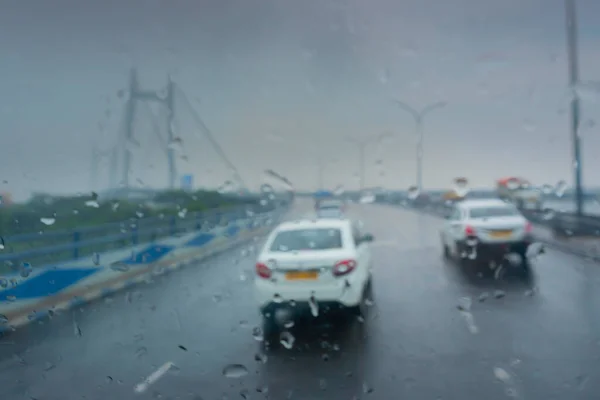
column 495, row 211
column 308, row 239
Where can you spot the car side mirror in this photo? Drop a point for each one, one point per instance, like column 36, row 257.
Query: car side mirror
column 367, row 237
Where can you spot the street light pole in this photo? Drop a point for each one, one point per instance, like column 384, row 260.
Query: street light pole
column 418, row 117
column 571, row 17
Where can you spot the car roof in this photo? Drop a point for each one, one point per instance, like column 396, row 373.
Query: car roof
column 483, row 203
column 339, row 223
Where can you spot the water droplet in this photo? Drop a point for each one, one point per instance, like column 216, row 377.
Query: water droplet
column 501, row 374
column 3, row 283
column 25, row 270
column 461, row 187
column 547, row 189
column 483, row 297
column 277, row 298
column 464, row 304
column 3, row 319
column 288, row 324
column 367, row 388
column 119, row 266
column 235, row 371
column 322, row 384
column 325, row 357
column 314, row 306
column 11, row 298
column 96, row 258
column 262, row 389
column 413, row 192
column 92, row 203
column 560, row 188
column 287, row 339
column 141, row 351
column 258, row 357
column 367, row 198
column 182, row 213
column 548, row 214
column 339, row 190
column 2, row 243
column 513, row 184
column 499, row 294
column 257, row 334
column 48, row 221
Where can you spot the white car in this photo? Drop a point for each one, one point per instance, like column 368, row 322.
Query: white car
column 477, row 229
column 312, row 267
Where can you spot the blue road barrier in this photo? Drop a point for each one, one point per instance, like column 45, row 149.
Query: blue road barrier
column 43, row 248
column 43, row 291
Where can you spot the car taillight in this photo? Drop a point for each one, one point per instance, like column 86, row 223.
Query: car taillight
column 528, row 227
column 263, row 271
column 469, row 231
column 344, row 267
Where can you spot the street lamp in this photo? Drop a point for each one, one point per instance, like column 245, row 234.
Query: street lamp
column 362, row 144
column 418, row 116
column 571, row 19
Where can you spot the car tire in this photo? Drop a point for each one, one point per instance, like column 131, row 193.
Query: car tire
column 361, row 310
column 447, row 254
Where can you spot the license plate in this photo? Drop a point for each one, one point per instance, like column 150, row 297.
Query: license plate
column 302, row 276
column 500, row 234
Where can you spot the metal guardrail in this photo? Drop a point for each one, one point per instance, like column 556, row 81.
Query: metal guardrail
column 45, row 248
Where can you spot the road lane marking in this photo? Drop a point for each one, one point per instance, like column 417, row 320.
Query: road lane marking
column 152, row 378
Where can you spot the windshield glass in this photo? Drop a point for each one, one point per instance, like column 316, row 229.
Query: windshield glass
column 151, row 150
column 496, row 211
column 307, row 239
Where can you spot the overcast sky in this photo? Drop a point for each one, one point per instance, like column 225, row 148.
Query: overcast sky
column 281, row 82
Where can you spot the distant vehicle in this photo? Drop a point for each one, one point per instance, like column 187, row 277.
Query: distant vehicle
column 312, row 267
column 483, row 229
column 330, row 208
column 519, row 192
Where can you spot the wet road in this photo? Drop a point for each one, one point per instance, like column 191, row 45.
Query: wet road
column 416, row 343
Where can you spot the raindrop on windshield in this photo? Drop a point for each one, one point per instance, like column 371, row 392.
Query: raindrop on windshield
column 92, row 203
column 560, row 188
column 182, row 213
column 464, row 304
column 548, row 214
column 25, row 270
column 461, row 187
column 287, row 339
column 257, row 334
column 2, row 243
column 413, row 192
column 513, row 184
column 258, row 357
column 3, row 319
column 339, row 190
column 367, row 388
column 96, row 258
column 235, row 371
column 367, row 198
column 277, row 298
column 176, row 144
column 314, row 306
column 48, row 221
column 3, row 283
